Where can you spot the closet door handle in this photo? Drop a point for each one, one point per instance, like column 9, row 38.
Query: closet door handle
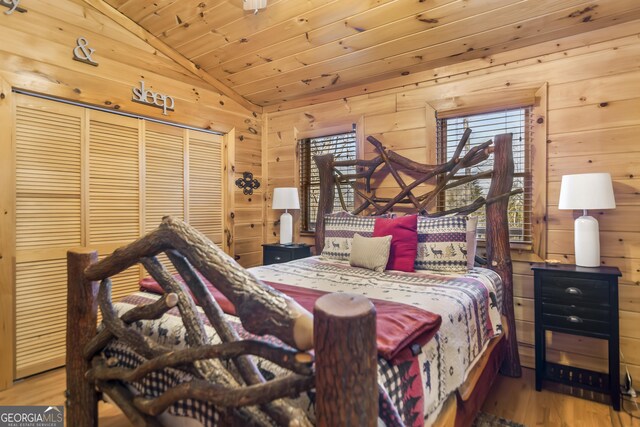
column 573, row 291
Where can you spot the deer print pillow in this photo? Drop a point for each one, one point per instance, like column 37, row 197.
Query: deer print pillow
column 442, row 244
column 339, row 229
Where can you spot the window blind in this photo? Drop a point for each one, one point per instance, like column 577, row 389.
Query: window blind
column 343, row 147
column 485, row 126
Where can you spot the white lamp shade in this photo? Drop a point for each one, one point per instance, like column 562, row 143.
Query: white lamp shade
column 286, row 198
column 587, row 191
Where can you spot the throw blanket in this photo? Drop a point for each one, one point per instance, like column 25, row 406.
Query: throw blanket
column 398, row 326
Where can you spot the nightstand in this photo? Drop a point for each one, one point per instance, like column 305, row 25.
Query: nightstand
column 276, row 253
column 578, row 301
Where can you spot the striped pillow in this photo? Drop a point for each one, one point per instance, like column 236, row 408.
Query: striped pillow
column 442, row 244
column 339, row 229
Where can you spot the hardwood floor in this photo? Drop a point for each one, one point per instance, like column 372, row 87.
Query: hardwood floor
column 516, row 399
column 512, row 398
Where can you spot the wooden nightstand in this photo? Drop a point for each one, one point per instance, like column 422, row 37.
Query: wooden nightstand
column 276, row 253
column 578, row 301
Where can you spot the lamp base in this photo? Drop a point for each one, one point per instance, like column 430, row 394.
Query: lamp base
column 286, row 229
column 587, row 241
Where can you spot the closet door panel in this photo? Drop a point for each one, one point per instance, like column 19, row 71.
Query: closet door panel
column 205, row 184
column 114, row 190
column 164, row 173
column 164, row 154
column 48, row 222
column 114, row 179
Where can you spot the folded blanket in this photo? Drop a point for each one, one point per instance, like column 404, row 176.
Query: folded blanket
column 399, row 327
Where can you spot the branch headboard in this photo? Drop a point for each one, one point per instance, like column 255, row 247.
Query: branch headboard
column 496, row 202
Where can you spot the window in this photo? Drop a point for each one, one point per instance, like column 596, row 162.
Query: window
column 343, row 147
column 484, row 127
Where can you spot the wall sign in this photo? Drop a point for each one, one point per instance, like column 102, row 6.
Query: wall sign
column 12, row 5
column 83, row 53
column 145, row 96
column 247, row 183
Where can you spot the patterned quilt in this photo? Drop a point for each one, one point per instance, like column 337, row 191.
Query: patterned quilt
column 411, row 391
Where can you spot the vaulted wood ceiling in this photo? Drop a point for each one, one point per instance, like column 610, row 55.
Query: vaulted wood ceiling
column 298, row 49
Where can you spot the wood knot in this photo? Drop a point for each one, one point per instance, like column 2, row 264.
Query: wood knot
column 2, row 96
column 540, row 120
column 603, row 104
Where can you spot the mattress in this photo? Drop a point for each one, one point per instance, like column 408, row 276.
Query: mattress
column 412, row 390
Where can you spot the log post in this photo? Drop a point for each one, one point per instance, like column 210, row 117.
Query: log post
column 346, row 361
column 325, row 204
column 498, row 248
column 82, row 316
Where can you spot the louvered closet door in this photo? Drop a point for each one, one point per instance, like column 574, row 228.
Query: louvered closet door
column 48, row 222
column 114, row 190
column 205, row 184
column 89, row 178
column 164, row 150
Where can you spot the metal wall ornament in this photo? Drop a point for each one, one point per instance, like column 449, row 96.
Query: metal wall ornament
column 13, row 6
column 155, row 99
column 82, row 52
column 247, row 183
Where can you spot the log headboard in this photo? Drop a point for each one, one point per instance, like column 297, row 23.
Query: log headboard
column 496, row 202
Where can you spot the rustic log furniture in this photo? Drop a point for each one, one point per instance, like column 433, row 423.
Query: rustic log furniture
column 578, row 301
column 240, row 391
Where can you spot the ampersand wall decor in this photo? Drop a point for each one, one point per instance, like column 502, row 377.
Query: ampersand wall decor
column 12, row 5
column 83, row 53
column 247, row 183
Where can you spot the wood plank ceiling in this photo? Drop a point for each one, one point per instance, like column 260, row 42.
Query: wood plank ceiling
column 305, row 49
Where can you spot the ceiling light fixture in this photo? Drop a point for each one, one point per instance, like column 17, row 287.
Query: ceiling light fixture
column 254, row 5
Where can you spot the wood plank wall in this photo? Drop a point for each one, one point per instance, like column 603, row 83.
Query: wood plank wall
column 36, row 55
column 593, row 123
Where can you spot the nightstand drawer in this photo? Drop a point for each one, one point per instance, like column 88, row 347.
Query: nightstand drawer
column 575, row 323
column 575, row 290
column 274, row 256
column 578, row 312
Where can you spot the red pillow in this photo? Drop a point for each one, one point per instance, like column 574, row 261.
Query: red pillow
column 404, row 240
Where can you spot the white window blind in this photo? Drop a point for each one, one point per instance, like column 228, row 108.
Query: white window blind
column 486, row 126
column 343, row 147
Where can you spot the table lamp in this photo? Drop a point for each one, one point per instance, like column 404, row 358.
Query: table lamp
column 286, row 198
column 587, row 191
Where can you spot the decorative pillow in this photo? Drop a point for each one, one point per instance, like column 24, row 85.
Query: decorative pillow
column 370, row 252
column 339, row 229
column 472, row 241
column 404, row 244
column 442, row 244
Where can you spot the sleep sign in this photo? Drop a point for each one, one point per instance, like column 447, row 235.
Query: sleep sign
column 155, row 99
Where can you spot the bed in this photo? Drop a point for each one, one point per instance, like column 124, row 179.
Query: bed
column 424, row 367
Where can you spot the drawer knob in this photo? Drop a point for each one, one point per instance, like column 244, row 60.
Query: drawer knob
column 277, row 258
column 573, row 291
column 574, row 319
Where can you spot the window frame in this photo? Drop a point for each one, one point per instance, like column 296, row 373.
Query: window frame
column 458, row 104
column 305, row 205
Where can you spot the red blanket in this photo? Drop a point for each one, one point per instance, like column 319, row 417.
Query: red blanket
column 398, row 326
